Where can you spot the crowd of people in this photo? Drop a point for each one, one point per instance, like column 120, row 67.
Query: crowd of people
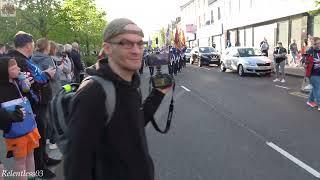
column 33, row 72
column 175, row 63
column 308, row 57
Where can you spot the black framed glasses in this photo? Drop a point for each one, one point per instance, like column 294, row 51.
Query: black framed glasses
column 129, row 44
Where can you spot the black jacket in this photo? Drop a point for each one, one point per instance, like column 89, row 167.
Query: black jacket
column 116, row 152
column 8, row 92
column 42, row 90
column 281, row 51
column 76, row 58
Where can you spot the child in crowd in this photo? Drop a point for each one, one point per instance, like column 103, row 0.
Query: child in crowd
column 21, row 138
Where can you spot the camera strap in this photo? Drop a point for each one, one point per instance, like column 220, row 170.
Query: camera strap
column 170, row 113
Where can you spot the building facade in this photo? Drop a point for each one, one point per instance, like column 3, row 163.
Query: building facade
column 248, row 22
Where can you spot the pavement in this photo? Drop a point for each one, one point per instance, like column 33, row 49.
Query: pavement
column 227, row 127
column 295, row 71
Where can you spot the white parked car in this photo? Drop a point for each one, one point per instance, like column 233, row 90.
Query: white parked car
column 246, row 60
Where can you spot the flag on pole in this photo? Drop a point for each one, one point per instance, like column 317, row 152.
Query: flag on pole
column 183, row 40
column 177, row 39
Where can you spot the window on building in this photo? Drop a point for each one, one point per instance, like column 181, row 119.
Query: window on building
column 316, row 25
column 219, row 13
column 211, row 17
column 283, row 29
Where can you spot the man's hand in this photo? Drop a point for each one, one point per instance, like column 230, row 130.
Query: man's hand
column 51, row 71
column 165, row 90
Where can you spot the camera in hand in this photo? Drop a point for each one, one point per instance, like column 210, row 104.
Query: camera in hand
column 160, row 80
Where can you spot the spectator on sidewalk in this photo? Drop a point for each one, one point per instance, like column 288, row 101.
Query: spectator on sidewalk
column 24, row 46
column 42, row 59
column 280, row 55
column 294, row 52
column 118, row 151
column 228, row 44
column 2, row 49
column 64, row 64
column 68, row 49
column 304, row 47
column 19, row 147
column 310, row 41
column 264, row 47
column 76, row 58
column 313, row 72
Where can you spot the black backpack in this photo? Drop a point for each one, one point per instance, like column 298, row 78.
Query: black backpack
column 60, row 107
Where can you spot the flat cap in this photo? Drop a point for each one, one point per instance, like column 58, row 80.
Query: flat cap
column 117, row 27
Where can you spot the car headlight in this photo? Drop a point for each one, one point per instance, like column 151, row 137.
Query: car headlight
column 250, row 63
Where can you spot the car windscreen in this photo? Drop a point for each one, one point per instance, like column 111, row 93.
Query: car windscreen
column 207, row 50
column 188, row 50
column 248, row 52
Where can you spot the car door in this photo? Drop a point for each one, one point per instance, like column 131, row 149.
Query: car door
column 234, row 58
column 227, row 59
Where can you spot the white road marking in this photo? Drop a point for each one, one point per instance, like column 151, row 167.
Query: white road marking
column 294, row 159
column 299, row 94
column 282, row 87
column 186, row 88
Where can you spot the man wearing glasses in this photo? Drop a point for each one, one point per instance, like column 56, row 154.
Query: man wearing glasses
column 118, row 151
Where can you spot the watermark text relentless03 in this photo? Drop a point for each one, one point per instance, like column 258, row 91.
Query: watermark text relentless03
column 11, row 173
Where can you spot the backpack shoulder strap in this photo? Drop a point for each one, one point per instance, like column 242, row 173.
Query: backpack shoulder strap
column 110, row 92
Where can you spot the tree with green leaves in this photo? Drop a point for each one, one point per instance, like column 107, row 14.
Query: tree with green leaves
column 317, row 11
column 162, row 34
column 63, row 21
column 84, row 23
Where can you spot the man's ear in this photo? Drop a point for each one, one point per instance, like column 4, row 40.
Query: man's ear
column 107, row 48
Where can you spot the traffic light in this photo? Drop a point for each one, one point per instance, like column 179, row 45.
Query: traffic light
column 156, row 40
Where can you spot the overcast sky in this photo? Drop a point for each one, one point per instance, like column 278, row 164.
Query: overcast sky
column 150, row 15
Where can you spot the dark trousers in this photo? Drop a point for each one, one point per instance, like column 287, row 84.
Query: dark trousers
column 77, row 77
column 170, row 69
column 40, row 155
column 175, row 67
column 141, row 70
column 265, row 52
column 151, row 69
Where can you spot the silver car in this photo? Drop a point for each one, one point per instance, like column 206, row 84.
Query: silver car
column 246, row 60
column 187, row 54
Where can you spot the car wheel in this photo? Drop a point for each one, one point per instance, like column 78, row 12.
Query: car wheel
column 240, row 70
column 222, row 68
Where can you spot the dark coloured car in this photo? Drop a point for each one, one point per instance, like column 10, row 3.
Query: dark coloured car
column 204, row 56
